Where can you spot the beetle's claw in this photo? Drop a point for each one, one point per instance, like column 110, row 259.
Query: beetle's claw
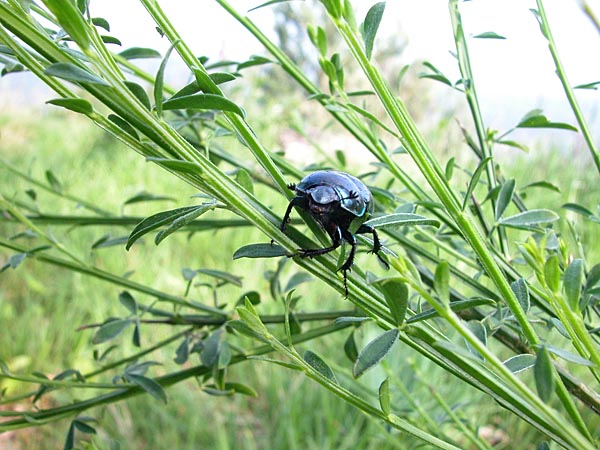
column 291, row 186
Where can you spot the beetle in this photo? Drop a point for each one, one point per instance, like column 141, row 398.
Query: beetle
column 340, row 203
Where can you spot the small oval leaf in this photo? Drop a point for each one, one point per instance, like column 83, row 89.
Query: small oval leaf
column 78, row 105
column 519, row 287
column 375, row 351
column 260, row 251
column 371, row 25
column 519, row 363
column 317, row 363
column 73, row 73
column 110, row 330
column 530, row 218
column 384, row 397
column 544, row 374
column 572, row 282
column 399, row 219
column 203, row 101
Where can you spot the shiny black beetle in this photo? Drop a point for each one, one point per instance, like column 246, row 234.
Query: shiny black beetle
column 340, row 203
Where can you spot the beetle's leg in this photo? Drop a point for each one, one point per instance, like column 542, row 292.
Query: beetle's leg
column 351, row 239
column 376, row 242
column 296, row 201
column 336, row 238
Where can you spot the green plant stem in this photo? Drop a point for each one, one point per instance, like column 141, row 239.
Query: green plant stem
column 351, row 398
column 77, row 407
column 560, row 71
column 499, row 368
column 417, row 148
column 111, row 278
column 50, row 189
column 464, row 64
column 481, row 444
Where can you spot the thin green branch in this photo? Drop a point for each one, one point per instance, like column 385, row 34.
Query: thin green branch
column 562, row 75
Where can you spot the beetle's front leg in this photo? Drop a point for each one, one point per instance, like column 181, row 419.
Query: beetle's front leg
column 296, row 201
column 376, row 242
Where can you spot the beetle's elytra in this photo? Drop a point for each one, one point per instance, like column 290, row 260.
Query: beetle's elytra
column 340, row 203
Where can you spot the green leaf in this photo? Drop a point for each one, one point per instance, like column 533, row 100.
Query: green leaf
column 243, row 178
column 240, row 388
column 350, row 347
column 514, row 144
column 127, row 300
column 183, row 220
column 297, row 279
column 519, row 363
column 399, row 219
column 73, row 73
column 254, row 60
column 317, row 363
column 269, row 3
column 396, row 296
column 110, row 330
column 124, row 125
column 77, row 105
column 375, row 351
column 159, row 81
column 519, row 287
column 544, row 374
column 384, row 397
column 480, row 332
column 541, row 184
column 593, row 277
column 372, row 117
column 83, row 427
column 106, row 241
column 71, row 20
column 250, row 317
column 53, row 181
column 535, row 119
column 177, row 165
column 203, row 101
column 148, row 385
column 371, row 25
column 552, row 273
column 594, row 85
column 441, row 281
column 572, row 282
column 146, row 197
column 435, row 74
column 568, row 356
column 475, row 179
column 260, row 251
column 101, row 22
column 212, row 348
column 449, row 170
column 530, row 218
column 221, row 77
column 578, row 209
column 279, row 362
column 223, row 276
column 156, row 221
column 139, row 92
column 139, row 53
column 489, row 35
column 244, row 329
column 504, row 198
column 454, row 306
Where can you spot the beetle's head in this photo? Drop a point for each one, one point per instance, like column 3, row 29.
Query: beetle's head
column 322, row 200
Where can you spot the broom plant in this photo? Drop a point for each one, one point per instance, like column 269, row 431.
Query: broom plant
column 465, row 273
